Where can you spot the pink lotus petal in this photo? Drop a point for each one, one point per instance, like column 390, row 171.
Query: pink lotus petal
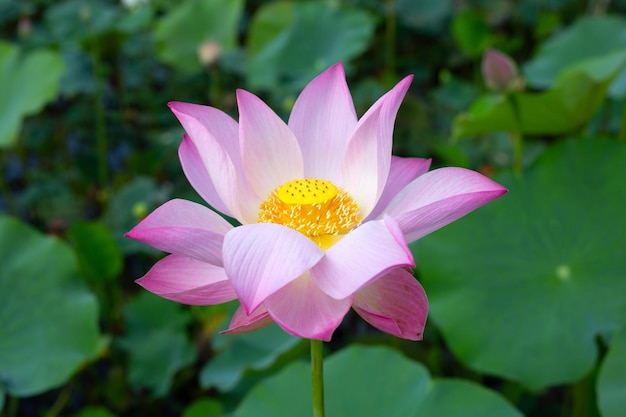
column 439, row 197
column 360, row 257
column 244, row 323
column 211, row 159
column 401, row 172
column 262, row 258
column 368, row 155
column 395, row 303
column 184, row 228
column 271, row 153
column 198, row 175
column 188, row 281
column 323, row 119
column 302, row 309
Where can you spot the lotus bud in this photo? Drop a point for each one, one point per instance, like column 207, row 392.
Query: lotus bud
column 500, row 72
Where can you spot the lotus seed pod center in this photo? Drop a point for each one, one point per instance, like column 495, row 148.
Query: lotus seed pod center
column 313, row 207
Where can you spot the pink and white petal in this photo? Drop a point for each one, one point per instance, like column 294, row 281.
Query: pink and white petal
column 395, row 303
column 271, row 153
column 184, row 228
column 198, row 175
column 188, row 281
column 213, row 147
column 402, row 171
column 262, row 258
column 202, row 122
column 368, row 154
column 302, row 309
column 246, row 323
column 323, row 119
column 359, row 258
column 439, row 197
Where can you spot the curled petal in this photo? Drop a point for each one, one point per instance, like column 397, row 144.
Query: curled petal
column 368, row 155
column 246, row 323
column 364, row 254
column 184, row 228
column 188, row 281
column 262, row 258
column 401, row 172
column 302, row 309
column 271, row 154
column 211, row 159
column 395, row 303
column 323, row 119
column 439, row 197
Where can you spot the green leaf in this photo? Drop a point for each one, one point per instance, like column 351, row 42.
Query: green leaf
column 589, row 37
column 612, row 378
column 280, row 29
column 427, row 15
column 48, row 320
column 94, row 412
column 371, row 382
column 99, row 257
column 249, row 351
column 522, row 287
column 181, row 32
column 204, row 408
column 156, row 341
column 471, row 32
column 566, row 107
column 27, row 83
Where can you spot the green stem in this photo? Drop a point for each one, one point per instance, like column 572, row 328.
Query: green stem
column 317, row 373
column 622, row 128
column 60, row 403
column 390, row 38
column 518, row 138
column 10, row 406
column 101, row 137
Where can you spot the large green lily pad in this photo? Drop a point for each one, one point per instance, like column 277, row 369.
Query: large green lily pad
column 156, row 341
column 523, row 286
column 239, row 353
column 612, row 378
column 48, row 320
column 371, row 382
column 564, row 108
column 27, row 83
column 280, row 29
column 589, row 37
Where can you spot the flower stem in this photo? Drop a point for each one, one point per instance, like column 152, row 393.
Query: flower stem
column 518, row 139
column 317, row 373
column 101, row 135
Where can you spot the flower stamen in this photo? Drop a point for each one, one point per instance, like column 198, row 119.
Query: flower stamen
column 313, row 207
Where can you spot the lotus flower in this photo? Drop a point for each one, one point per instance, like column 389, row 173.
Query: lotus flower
column 326, row 214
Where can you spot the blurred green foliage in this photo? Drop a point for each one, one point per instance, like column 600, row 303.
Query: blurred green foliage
column 527, row 295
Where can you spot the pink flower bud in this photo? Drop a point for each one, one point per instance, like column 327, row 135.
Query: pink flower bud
column 500, row 72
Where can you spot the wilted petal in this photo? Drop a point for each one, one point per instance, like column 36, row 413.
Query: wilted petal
column 302, row 309
column 395, row 303
column 184, row 228
column 323, row 119
column 188, row 281
column 262, row 258
column 271, row 154
column 246, row 323
column 364, row 254
column 368, row 155
column 401, row 172
column 439, row 197
column 211, row 159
